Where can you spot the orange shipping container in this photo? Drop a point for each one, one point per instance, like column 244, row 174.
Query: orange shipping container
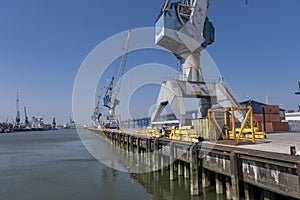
column 280, row 126
column 277, row 126
column 271, row 109
column 272, row 117
column 289, row 111
column 285, row 126
column 258, row 117
column 269, row 126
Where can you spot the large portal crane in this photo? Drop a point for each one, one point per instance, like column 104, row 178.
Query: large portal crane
column 184, row 28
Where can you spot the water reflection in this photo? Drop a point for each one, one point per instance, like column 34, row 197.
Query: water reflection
column 109, row 174
column 160, row 187
column 157, row 183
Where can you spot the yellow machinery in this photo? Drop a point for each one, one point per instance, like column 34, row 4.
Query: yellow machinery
column 182, row 133
column 246, row 130
column 204, row 127
column 150, row 131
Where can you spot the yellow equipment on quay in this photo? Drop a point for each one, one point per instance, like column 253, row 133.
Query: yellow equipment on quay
column 246, row 129
column 211, row 128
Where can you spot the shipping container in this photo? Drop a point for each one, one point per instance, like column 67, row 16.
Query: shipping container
column 146, row 123
column 269, row 126
column 271, row 109
column 272, row 117
column 277, row 126
column 257, row 109
column 258, row 117
column 280, row 126
column 139, row 123
column 289, row 111
column 266, row 117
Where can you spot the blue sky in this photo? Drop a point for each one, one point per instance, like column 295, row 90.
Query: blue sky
column 43, row 43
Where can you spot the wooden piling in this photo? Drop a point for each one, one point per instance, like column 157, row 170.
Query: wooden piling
column 194, row 175
column 148, row 152
column 128, row 142
column 228, row 187
column 172, row 162
column 138, row 145
column 205, row 178
column 131, row 143
column 219, row 184
column 247, row 191
column 180, row 168
column 268, row 195
column 186, row 171
column 156, row 159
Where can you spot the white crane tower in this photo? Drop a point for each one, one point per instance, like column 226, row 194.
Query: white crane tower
column 183, row 28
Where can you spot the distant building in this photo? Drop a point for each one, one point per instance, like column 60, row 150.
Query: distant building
column 292, row 116
column 293, row 119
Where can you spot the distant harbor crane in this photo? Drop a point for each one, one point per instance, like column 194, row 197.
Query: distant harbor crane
column 54, row 123
column 26, row 117
column 110, row 98
column 18, row 118
column 97, row 111
column 298, row 92
column 110, row 93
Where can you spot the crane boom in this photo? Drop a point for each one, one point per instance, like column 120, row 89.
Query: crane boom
column 116, row 89
column 112, row 89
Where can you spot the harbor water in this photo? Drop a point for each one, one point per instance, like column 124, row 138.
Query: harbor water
column 56, row 165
